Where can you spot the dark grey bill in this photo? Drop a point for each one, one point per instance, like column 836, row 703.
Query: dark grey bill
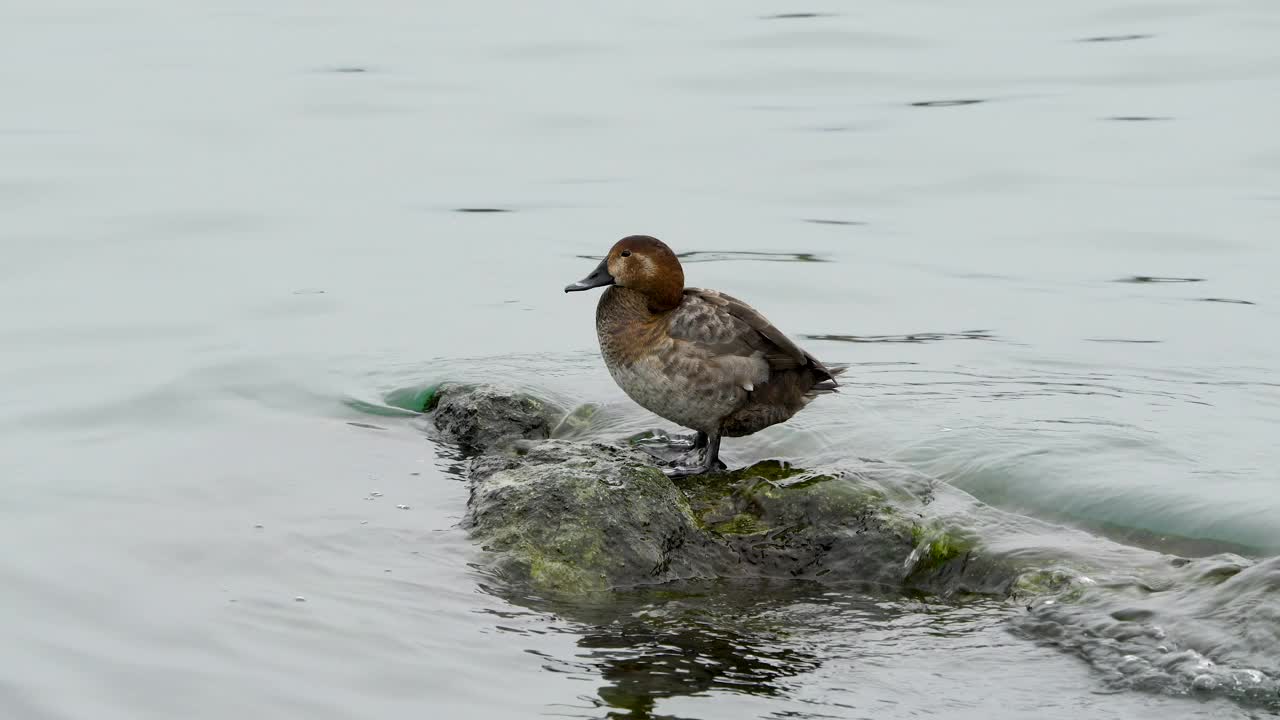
column 598, row 277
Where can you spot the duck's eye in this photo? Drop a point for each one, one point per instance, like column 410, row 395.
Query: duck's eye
column 625, row 253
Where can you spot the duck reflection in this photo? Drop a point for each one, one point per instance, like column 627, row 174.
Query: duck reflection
column 650, row 645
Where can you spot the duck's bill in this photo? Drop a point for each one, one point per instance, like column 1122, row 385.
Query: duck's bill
column 598, row 278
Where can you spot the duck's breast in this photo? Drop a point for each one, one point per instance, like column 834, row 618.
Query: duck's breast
column 682, row 387
column 685, row 379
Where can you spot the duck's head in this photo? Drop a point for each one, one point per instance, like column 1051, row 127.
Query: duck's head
column 643, row 264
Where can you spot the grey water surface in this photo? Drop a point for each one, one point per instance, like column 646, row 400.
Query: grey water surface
column 1043, row 234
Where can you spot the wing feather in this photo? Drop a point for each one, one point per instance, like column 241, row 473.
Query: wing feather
column 723, row 325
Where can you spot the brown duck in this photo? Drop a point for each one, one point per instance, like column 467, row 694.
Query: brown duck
column 698, row 358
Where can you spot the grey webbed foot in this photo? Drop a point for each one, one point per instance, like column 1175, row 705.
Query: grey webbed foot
column 710, row 460
column 691, row 442
column 681, row 471
column 660, row 438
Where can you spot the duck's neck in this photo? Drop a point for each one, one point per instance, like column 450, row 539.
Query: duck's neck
column 621, row 308
column 627, row 327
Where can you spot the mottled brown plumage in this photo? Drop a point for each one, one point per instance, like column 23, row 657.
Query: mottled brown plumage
column 698, row 358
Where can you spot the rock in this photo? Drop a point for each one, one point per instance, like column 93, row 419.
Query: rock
column 488, row 418
column 561, row 519
column 569, row 518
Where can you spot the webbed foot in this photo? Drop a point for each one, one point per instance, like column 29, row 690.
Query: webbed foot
column 683, row 471
column 710, row 460
column 687, row 442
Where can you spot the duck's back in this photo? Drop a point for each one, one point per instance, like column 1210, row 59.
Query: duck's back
column 734, row 335
column 712, row 363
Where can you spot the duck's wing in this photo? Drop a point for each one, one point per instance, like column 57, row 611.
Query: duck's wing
column 724, row 325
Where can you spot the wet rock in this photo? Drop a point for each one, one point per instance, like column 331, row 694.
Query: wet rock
column 569, row 518
column 563, row 519
column 572, row 518
column 485, row 417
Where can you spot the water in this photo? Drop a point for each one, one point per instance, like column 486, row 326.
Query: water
column 226, row 226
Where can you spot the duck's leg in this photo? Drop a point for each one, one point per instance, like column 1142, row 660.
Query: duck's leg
column 710, row 459
column 711, row 455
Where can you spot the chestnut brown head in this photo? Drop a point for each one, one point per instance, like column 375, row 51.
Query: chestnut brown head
column 643, row 264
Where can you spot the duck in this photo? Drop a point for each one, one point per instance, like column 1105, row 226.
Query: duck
column 696, row 357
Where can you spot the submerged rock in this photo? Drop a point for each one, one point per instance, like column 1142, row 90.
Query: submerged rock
column 569, row 518
column 1209, row 625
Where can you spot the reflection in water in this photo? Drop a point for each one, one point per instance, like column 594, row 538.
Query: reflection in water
column 1156, row 279
column 910, row 338
column 680, row 641
column 644, row 660
column 1138, row 118
column 483, row 210
column 715, row 256
column 1227, row 300
column 850, row 647
column 653, row 644
column 946, row 103
column 796, row 16
column 727, row 255
column 823, row 221
column 1115, row 38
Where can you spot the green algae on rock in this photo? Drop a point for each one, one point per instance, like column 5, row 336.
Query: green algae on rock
column 570, row 518
column 574, row 522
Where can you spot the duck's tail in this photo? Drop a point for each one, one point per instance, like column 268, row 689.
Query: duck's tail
column 828, row 384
